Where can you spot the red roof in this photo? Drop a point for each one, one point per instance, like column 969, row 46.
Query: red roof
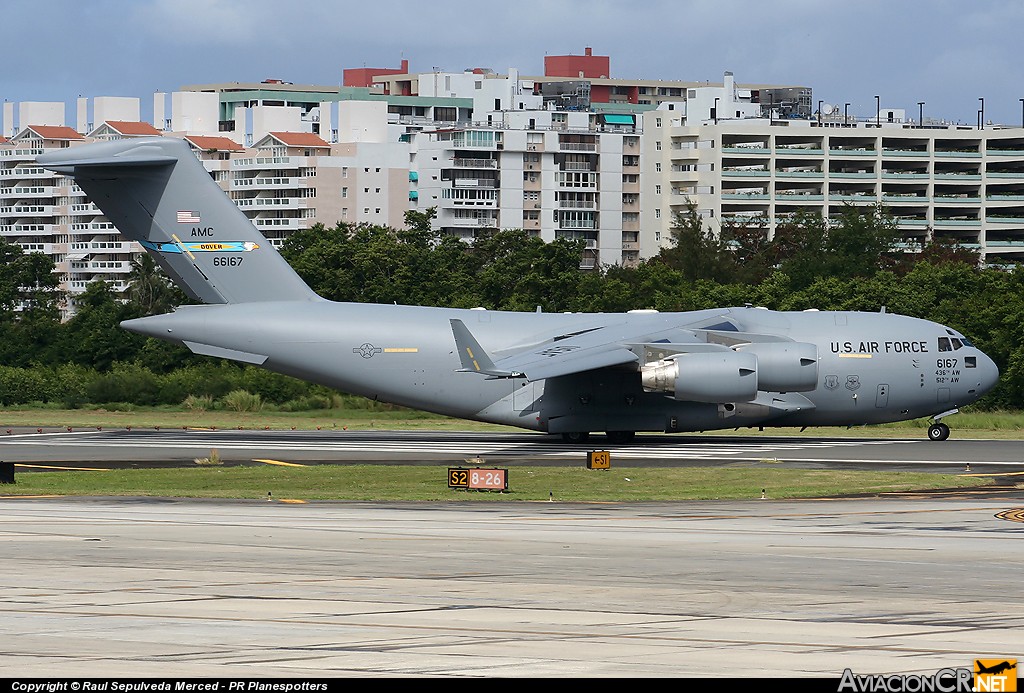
column 219, row 143
column 132, row 128
column 2, row 139
column 299, row 139
column 55, row 132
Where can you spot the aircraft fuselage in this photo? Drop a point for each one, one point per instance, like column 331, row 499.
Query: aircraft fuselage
column 871, row 367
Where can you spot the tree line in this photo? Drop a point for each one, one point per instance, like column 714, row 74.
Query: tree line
column 852, row 262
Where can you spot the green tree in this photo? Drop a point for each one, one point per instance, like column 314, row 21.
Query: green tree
column 150, row 290
column 695, row 250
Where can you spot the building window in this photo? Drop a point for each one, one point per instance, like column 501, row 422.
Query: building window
column 657, row 166
column 657, row 214
column 657, row 189
column 344, row 192
column 657, row 145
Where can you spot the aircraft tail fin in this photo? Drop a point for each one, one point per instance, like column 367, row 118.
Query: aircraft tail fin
column 156, row 192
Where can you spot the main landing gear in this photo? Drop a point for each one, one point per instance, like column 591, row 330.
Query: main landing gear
column 614, row 437
column 576, row 437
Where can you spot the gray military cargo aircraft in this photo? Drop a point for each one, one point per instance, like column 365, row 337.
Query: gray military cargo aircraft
column 563, row 373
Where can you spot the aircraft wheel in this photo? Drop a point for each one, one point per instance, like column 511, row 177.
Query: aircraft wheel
column 621, row 436
column 938, row 431
column 576, row 437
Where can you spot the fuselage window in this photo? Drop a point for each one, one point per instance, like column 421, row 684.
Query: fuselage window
column 944, row 344
column 970, row 361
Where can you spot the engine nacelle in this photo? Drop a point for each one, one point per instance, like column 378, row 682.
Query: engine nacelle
column 784, row 366
column 725, row 376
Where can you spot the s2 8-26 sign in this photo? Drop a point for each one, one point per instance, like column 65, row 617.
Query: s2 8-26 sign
column 478, row 479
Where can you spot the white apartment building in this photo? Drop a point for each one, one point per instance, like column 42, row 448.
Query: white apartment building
column 481, row 148
column 553, row 174
column 956, row 182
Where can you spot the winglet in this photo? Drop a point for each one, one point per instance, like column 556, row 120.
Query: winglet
column 474, row 359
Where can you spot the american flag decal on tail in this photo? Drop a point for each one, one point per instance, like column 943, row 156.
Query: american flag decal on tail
column 188, row 217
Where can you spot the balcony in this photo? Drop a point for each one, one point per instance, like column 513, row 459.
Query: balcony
column 798, row 174
column 21, row 154
column 271, row 203
column 105, row 247
column 23, row 172
column 101, row 226
column 958, row 177
column 28, row 230
column 256, row 163
column 745, row 173
column 102, row 266
column 576, row 204
column 268, row 183
column 840, row 152
column 474, row 222
column 863, row 199
column 28, row 211
column 85, row 209
column 475, row 183
column 284, row 224
column 577, row 224
column 474, row 163
column 32, row 191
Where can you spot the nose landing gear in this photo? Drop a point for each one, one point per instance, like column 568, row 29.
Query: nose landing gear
column 939, row 430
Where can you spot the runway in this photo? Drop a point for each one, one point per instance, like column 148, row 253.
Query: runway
column 909, row 583
column 175, row 447
column 705, row 589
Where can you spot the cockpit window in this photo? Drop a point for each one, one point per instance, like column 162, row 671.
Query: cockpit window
column 957, row 344
column 966, row 341
column 944, row 344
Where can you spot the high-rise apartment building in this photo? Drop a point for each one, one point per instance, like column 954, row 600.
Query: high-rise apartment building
column 960, row 183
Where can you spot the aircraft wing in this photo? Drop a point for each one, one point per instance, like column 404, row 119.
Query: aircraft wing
column 602, row 347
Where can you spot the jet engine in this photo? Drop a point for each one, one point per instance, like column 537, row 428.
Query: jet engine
column 720, row 376
column 784, row 366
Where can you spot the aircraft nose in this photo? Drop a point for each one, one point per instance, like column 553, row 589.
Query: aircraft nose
column 988, row 374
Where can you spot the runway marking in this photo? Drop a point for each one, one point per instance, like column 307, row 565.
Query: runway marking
column 26, row 497
column 1014, row 515
column 51, row 433
column 996, row 473
column 70, row 469
column 292, row 500
column 279, row 463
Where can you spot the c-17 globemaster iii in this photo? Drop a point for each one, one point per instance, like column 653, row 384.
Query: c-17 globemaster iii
column 564, row 373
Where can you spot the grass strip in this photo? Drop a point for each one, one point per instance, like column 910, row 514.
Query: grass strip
column 429, row 483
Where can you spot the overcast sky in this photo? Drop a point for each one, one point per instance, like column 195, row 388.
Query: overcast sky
column 943, row 52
